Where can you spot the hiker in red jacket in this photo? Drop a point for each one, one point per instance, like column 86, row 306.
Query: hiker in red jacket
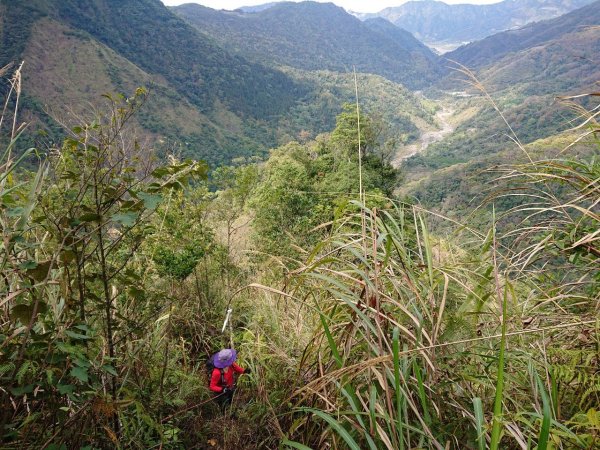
column 222, row 381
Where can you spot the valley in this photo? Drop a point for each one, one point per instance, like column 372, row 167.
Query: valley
column 444, row 128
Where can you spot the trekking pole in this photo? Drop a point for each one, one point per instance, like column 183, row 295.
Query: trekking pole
column 227, row 317
column 228, row 321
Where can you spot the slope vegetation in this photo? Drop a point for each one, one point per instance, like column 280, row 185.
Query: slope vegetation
column 205, row 102
column 315, row 36
column 214, row 103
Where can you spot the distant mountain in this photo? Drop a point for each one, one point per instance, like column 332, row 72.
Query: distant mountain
column 550, row 33
column 435, row 21
column 401, row 37
column 257, row 8
column 318, row 36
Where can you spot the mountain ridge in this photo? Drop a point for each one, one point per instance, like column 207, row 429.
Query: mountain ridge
column 316, row 36
column 530, row 69
column 494, row 48
column 434, row 21
column 184, row 66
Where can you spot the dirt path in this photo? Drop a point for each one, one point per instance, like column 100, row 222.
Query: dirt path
column 427, row 138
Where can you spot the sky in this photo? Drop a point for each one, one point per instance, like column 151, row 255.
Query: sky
column 352, row 5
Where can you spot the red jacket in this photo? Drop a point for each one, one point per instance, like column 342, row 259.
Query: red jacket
column 215, row 379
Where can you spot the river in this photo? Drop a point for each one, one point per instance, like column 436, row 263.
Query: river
column 428, row 137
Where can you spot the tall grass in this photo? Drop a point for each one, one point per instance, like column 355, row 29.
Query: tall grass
column 425, row 343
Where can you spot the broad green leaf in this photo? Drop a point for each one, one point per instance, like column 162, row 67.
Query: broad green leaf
column 127, row 219
column 28, row 265
column 24, row 312
column 77, row 336
column 151, row 201
column 109, row 369
column 40, row 272
column 80, row 373
column 160, row 172
column 22, row 390
column 89, row 217
column 82, row 362
column 65, row 389
column 57, row 447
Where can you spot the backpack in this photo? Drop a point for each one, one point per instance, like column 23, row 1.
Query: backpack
column 210, row 367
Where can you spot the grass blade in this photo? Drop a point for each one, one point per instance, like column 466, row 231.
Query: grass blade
column 336, row 426
column 497, row 421
column 547, row 414
column 294, row 444
column 399, row 396
column 331, row 341
column 422, row 393
column 479, row 423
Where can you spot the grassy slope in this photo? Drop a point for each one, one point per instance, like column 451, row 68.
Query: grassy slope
column 151, row 36
column 76, row 69
column 561, row 65
column 89, row 68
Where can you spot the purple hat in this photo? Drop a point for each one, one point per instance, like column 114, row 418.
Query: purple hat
column 224, row 358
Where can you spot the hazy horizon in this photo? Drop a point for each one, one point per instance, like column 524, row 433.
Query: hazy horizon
column 372, row 6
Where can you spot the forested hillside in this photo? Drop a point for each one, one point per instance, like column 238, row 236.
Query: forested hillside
column 195, row 78
column 316, row 36
column 206, row 102
column 220, row 235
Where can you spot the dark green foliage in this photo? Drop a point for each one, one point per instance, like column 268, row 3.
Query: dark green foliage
column 189, row 69
column 486, row 134
column 76, row 289
column 147, row 33
column 346, row 135
column 313, row 36
column 204, row 102
column 16, row 28
column 393, row 108
column 181, row 264
column 304, row 185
